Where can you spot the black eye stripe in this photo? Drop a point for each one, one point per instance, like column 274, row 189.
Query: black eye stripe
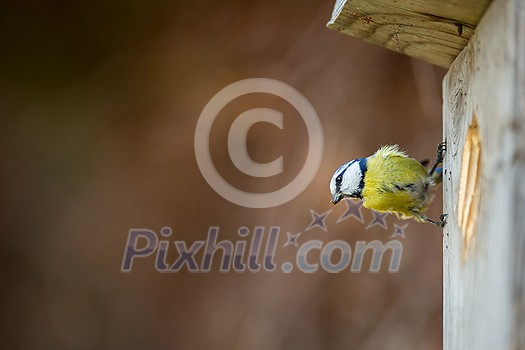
column 344, row 168
column 362, row 166
column 339, row 178
column 338, row 181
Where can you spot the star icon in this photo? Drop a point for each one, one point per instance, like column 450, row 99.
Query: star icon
column 318, row 220
column 399, row 231
column 378, row 219
column 353, row 208
column 292, row 239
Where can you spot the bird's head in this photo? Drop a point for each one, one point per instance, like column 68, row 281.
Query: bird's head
column 348, row 180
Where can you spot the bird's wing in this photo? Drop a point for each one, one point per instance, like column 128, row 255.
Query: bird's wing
column 393, row 183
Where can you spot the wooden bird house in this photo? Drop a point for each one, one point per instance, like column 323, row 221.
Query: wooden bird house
column 482, row 43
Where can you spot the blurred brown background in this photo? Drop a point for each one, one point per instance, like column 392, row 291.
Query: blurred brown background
column 99, row 102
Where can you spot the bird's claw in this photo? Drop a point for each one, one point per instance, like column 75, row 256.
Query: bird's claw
column 442, row 220
column 441, row 150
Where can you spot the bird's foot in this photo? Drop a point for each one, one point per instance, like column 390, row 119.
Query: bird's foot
column 441, row 223
column 441, row 150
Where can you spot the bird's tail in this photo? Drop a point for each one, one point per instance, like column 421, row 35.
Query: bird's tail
column 437, row 177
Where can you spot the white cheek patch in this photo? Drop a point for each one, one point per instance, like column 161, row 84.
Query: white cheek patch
column 351, row 179
column 339, row 172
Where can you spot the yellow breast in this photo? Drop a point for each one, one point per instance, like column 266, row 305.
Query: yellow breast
column 396, row 183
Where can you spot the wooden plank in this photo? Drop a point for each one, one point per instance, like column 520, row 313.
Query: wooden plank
column 484, row 186
column 432, row 30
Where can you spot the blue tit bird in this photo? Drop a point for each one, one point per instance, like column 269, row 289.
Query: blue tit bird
column 390, row 181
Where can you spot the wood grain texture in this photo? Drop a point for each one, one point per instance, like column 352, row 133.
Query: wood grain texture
column 484, row 270
column 434, row 31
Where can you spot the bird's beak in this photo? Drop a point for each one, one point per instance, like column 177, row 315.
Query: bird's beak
column 336, row 198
